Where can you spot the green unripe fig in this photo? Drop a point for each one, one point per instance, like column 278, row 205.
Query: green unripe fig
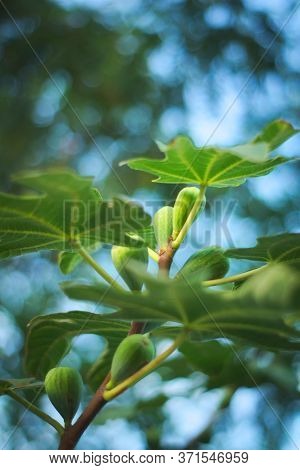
column 210, row 262
column 183, row 205
column 64, row 386
column 163, row 226
column 123, row 257
column 134, row 352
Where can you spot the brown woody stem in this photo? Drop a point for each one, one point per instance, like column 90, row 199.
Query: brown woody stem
column 72, row 435
column 165, row 260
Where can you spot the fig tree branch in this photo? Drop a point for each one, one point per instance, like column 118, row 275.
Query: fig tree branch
column 72, row 435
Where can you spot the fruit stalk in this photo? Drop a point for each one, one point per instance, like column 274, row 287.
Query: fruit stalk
column 234, row 278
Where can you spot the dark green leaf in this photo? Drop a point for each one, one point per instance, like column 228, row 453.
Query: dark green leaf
column 113, row 412
column 68, row 210
column 101, row 366
column 220, row 362
column 229, row 365
column 278, row 248
column 209, row 314
column 174, row 368
column 49, row 337
column 277, row 287
column 138, row 306
column 208, row 357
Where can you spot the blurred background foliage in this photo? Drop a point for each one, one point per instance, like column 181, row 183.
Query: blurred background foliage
column 90, row 83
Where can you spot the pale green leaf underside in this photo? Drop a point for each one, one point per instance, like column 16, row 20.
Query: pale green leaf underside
column 68, row 208
column 284, row 247
column 276, row 133
column 49, row 337
column 213, row 166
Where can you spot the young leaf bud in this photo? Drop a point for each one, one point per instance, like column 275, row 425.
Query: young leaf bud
column 123, row 257
column 63, row 386
column 183, row 205
column 134, row 352
column 163, row 226
column 211, row 263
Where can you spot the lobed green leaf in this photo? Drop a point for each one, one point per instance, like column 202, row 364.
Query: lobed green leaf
column 215, row 166
column 67, row 210
column 249, row 313
column 283, row 248
column 49, row 337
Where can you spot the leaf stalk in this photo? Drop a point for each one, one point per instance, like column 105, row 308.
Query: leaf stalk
column 35, row 410
column 234, row 278
column 101, row 271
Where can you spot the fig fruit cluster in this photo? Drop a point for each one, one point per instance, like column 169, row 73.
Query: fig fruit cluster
column 168, row 221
